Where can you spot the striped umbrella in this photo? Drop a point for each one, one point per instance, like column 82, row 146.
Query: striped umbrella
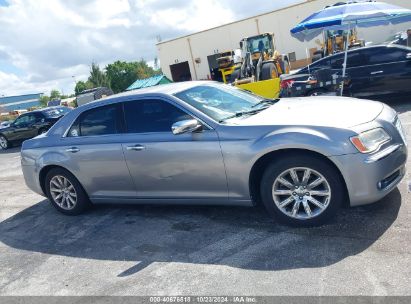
column 349, row 15
column 346, row 16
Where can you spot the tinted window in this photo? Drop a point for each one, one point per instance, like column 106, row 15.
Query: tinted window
column 24, row 120
column 151, row 116
column 318, row 65
column 98, row 121
column 385, row 55
column 356, row 59
column 337, row 61
column 39, row 116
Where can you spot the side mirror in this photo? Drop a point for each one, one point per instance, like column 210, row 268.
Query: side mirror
column 185, row 126
column 409, row 56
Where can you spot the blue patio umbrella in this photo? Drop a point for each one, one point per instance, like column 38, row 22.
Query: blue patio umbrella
column 347, row 16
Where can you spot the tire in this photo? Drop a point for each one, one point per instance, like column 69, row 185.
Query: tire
column 235, row 75
column 4, row 143
column 269, row 71
column 55, row 177
column 274, row 192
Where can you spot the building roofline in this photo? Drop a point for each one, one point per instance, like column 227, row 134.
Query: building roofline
column 240, row 20
column 21, row 95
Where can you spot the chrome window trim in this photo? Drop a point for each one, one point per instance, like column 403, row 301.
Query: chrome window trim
column 210, row 128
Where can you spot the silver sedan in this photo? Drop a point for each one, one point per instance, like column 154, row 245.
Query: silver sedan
column 208, row 143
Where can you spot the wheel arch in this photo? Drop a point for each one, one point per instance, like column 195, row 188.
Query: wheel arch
column 46, row 169
column 257, row 170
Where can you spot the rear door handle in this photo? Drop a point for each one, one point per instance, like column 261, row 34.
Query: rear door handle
column 377, row 72
column 73, row 150
column 135, row 148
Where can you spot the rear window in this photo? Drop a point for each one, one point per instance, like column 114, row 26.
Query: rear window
column 323, row 63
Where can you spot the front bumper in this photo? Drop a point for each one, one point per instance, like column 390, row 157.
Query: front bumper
column 369, row 179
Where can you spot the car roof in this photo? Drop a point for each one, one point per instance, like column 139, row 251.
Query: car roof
column 365, row 48
column 167, row 89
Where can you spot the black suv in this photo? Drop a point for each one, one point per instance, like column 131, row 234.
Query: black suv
column 29, row 125
column 374, row 71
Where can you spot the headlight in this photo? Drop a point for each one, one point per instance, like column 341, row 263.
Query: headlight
column 371, row 140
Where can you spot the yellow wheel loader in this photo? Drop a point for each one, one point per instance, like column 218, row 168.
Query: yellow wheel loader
column 335, row 42
column 259, row 67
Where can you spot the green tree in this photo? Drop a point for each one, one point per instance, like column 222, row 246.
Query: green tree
column 82, row 86
column 97, row 77
column 55, row 94
column 122, row 74
column 44, row 99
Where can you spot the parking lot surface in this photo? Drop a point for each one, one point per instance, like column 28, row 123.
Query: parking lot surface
column 170, row 250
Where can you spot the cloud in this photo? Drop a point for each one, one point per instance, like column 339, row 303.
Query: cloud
column 51, row 41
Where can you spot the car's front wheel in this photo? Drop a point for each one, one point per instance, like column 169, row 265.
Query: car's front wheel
column 65, row 192
column 302, row 190
column 4, row 143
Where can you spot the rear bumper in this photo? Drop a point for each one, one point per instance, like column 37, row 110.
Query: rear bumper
column 31, row 177
column 369, row 179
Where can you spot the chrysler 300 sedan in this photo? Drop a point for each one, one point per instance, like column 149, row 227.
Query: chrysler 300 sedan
column 209, row 143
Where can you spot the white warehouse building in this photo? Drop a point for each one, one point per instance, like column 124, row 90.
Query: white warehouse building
column 192, row 57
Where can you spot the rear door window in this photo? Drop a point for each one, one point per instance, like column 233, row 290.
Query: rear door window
column 151, row 115
column 337, row 61
column 103, row 120
column 356, row 59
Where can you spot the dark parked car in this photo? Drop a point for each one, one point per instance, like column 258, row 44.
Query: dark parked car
column 375, row 71
column 29, row 125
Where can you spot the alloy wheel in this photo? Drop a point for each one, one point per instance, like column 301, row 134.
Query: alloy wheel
column 301, row 193
column 63, row 192
column 3, row 142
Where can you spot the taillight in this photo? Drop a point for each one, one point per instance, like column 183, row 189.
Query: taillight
column 285, row 84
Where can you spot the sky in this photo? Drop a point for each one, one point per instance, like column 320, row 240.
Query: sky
column 50, row 44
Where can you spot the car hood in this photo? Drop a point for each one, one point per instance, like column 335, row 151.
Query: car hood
column 326, row 111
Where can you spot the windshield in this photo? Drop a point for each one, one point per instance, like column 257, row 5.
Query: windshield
column 56, row 112
column 258, row 44
column 219, row 102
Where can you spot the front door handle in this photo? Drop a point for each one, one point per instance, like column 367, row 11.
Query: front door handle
column 135, row 148
column 73, row 150
column 377, row 72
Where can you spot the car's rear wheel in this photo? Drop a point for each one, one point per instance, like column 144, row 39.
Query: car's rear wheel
column 4, row 143
column 65, row 192
column 302, row 190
